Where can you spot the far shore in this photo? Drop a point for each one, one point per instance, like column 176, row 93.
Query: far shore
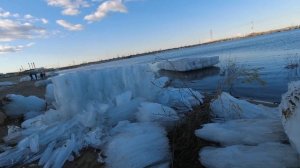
column 255, row 34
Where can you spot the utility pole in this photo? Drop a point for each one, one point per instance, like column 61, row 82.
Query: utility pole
column 29, row 65
column 252, row 27
column 211, row 35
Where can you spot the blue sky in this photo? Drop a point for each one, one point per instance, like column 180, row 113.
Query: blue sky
column 55, row 33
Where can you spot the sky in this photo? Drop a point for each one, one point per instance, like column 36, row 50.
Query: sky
column 56, row 33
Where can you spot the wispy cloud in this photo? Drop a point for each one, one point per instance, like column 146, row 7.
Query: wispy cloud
column 9, row 48
column 15, row 27
column 70, row 7
column 32, row 19
column 106, row 7
column 11, row 30
column 69, row 26
column 6, row 14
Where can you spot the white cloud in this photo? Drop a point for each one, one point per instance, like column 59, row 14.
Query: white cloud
column 28, row 16
column 106, row 7
column 45, row 21
column 9, row 48
column 69, row 26
column 14, row 27
column 6, row 14
column 11, row 30
column 32, row 19
column 70, row 7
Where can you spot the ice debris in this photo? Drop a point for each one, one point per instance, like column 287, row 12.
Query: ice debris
column 136, row 145
column 90, row 106
column 243, row 131
column 19, row 105
column 154, row 112
column 226, row 107
column 253, row 136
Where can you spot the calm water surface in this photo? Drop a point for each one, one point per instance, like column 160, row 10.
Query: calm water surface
column 269, row 53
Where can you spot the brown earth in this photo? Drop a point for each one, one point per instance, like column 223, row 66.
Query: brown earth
column 25, row 89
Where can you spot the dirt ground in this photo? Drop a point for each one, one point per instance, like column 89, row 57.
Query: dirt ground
column 25, row 89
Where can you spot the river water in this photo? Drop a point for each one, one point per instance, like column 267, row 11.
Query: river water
column 268, row 54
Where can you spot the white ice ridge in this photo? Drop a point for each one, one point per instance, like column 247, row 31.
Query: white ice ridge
column 268, row 155
column 290, row 108
column 187, row 64
column 88, row 107
column 243, row 131
column 226, row 107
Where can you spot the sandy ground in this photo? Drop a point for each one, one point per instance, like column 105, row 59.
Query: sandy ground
column 23, row 88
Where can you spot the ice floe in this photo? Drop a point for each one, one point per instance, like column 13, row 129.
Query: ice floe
column 226, row 107
column 243, row 131
column 187, row 64
column 19, row 105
